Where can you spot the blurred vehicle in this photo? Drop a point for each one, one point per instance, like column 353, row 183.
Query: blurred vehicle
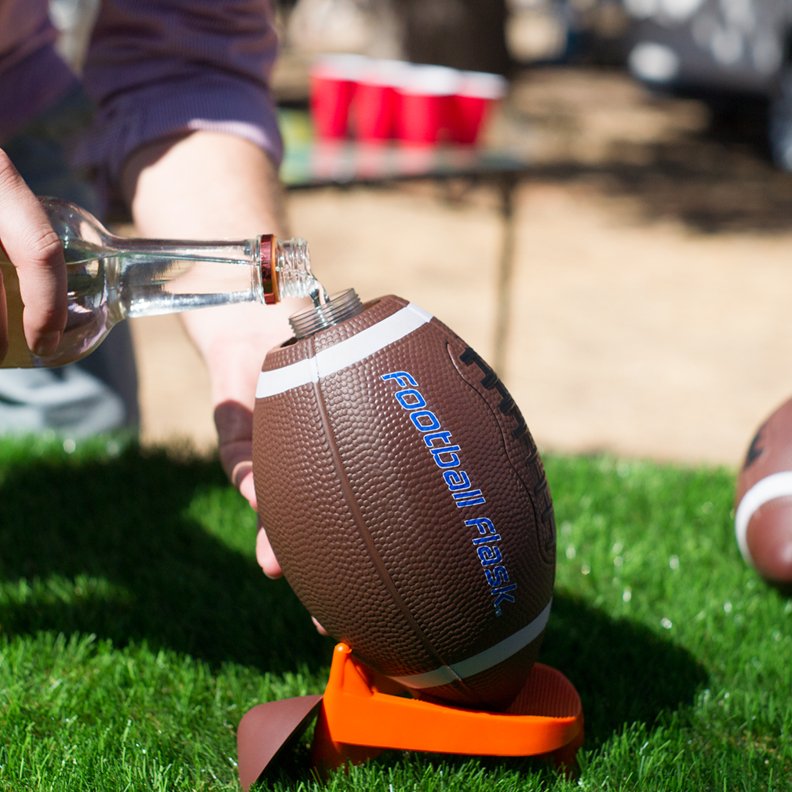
column 722, row 51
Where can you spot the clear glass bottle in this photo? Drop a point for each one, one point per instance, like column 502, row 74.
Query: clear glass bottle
column 112, row 278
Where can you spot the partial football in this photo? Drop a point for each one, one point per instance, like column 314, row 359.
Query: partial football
column 763, row 518
column 406, row 502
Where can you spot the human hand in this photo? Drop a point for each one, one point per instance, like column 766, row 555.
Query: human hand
column 34, row 249
column 214, row 185
column 233, row 359
column 234, row 423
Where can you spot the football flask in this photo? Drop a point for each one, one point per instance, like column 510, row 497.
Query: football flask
column 364, row 421
column 431, row 548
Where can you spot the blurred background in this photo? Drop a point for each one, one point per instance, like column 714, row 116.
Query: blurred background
column 649, row 305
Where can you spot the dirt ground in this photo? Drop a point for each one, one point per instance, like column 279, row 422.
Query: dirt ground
column 651, row 295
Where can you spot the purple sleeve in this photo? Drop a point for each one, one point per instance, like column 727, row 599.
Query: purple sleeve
column 33, row 76
column 158, row 68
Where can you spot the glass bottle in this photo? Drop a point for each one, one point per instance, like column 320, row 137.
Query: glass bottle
column 112, row 278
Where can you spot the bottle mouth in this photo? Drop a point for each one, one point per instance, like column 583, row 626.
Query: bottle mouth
column 335, row 309
column 293, row 268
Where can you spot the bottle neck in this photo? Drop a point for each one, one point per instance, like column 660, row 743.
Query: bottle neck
column 271, row 270
column 153, row 276
column 162, row 276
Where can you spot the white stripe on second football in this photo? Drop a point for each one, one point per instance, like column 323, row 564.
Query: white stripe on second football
column 483, row 661
column 777, row 485
column 343, row 354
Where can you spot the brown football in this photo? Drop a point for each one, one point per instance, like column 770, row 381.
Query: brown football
column 763, row 519
column 406, row 502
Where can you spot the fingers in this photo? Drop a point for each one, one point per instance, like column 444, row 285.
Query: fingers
column 272, row 569
column 3, row 316
column 235, row 435
column 243, row 480
column 234, row 425
column 36, row 252
column 321, row 630
column 266, row 557
column 236, row 461
column 235, row 456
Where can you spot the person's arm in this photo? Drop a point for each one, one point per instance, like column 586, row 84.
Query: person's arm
column 214, row 185
column 187, row 125
column 160, row 70
column 34, row 249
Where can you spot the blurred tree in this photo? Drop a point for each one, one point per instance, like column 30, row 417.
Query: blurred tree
column 463, row 34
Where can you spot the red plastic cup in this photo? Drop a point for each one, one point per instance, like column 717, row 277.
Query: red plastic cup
column 377, row 100
column 424, row 114
column 471, row 106
column 333, row 83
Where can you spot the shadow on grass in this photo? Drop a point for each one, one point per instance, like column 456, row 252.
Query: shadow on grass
column 109, row 546
column 112, row 546
column 624, row 672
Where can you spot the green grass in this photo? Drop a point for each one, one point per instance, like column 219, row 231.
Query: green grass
column 136, row 630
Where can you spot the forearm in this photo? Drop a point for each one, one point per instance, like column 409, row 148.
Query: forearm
column 210, row 185
column 204, row 185
column 213, row 186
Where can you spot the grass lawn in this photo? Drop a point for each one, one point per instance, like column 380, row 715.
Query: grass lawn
column 136, row 630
